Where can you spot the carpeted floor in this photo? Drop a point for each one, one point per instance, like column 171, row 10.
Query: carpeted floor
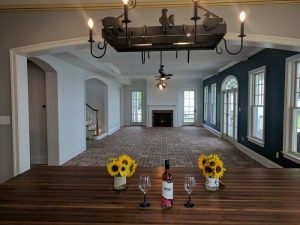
column 151, row 146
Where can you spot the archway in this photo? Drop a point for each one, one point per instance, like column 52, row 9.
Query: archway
column 96, row 111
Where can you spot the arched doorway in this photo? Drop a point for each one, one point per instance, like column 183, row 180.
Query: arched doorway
column 96, row 111
column 229, row 126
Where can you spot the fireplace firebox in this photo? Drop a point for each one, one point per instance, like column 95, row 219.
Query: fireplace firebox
column 162, row 118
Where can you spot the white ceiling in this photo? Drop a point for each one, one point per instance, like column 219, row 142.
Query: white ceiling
column 203, row 63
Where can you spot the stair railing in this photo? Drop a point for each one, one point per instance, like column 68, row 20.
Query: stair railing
column 92, row 117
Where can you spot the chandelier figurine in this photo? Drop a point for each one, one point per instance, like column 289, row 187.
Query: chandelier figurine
column 167, row 37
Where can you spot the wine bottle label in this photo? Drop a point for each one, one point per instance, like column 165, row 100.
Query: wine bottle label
column 167, row 190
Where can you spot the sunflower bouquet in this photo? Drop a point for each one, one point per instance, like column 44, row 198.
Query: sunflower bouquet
column 211, row 166
column 123, row 166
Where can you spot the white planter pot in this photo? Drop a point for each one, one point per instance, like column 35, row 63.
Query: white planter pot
column 119, row 183
column 212, row 184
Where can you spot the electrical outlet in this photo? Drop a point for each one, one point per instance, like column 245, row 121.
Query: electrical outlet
column 277, row 155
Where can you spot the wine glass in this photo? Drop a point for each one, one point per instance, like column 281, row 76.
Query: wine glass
column 189, row 185
column 144, row 186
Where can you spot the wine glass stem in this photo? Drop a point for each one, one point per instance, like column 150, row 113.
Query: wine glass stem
column 189, row 197
column 145, row 198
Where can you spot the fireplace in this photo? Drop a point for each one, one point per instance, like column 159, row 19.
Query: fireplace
column 162, row 118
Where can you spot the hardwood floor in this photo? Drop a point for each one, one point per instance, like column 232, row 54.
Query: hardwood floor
column 84, row 195
column 151, row 146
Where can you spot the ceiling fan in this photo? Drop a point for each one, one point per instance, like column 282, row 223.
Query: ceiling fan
column 163, row 76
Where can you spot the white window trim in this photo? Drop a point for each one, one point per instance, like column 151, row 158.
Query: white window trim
column 205, row 103
column 213, row 117
column 131, row 121
column 288, row 104
column 251, row 73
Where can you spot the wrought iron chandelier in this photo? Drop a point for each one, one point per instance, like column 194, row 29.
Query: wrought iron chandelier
column 167, row 37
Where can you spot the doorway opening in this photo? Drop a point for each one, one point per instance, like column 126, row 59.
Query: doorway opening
column 189, row 109
column 96, row 109
column 230, row 108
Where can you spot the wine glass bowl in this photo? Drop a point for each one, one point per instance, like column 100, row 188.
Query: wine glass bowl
column 144, row 186
column 189, row 185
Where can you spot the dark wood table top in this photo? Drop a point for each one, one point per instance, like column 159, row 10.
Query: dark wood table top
column 85, row 195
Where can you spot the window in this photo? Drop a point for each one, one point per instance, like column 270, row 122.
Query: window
column 213, row 103
column 205, row 102
column 136, row 107
column 256, row 117
column 189, row 107
column 291, row 131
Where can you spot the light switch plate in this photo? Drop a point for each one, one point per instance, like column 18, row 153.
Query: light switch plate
column 4, row 120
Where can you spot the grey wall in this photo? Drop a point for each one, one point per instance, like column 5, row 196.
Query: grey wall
column 136, row 85
column 96, row 96
column 25, row 28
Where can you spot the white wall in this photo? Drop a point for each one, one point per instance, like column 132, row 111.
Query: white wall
column 169, row 97
column 71, row 106
column 71, row 110
column 95, row 97
column 136, row 85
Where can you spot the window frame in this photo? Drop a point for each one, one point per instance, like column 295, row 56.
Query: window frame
column 251, row 104
column 213, row 103
column 205, row 114
column 131, row 104
column 289, row 108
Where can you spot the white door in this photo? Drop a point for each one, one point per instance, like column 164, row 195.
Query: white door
column 230, row 109
column 189, row 109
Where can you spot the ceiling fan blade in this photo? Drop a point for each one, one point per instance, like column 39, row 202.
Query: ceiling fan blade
column 168, row 78
column 170, row 75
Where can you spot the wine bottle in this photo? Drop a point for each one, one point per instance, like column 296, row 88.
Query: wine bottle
column 167, row 187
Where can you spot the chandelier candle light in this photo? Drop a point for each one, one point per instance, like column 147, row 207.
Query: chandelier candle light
column 168, row 36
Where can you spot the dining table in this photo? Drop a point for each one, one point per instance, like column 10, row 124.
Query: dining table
column 48, row 195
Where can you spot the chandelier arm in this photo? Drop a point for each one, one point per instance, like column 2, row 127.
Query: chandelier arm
column 103, row 48
column 237, row 52
column 143, row 57
column 219, row 51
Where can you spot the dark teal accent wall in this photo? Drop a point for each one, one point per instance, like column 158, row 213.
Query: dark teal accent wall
column 274, row 60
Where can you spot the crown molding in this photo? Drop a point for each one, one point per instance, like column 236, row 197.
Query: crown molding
column 106, row 4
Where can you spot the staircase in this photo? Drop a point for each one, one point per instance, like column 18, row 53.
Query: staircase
column 93, row 131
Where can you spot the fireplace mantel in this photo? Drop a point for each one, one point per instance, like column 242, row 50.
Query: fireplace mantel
column 150, row 108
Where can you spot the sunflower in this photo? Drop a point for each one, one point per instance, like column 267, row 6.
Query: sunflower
column 113, row 167
column 124, row 170
column 219, row 170
column 125, row 159
column 201, row 161
column 207, row 170
column 132, row 168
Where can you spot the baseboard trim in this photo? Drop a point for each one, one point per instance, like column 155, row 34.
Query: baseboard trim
column 261, row 159
column 212, row 130
column 103, row 135
column 110, row 132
